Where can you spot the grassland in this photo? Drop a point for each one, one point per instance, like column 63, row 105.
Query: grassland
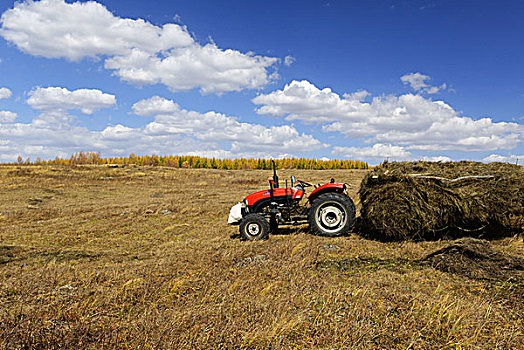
column 141, row 257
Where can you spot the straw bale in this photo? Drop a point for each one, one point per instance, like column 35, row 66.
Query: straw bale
column 433, row 200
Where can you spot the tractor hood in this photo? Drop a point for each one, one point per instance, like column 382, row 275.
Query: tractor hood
column 293, row 193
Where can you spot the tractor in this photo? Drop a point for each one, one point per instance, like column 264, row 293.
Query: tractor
column 328, row 209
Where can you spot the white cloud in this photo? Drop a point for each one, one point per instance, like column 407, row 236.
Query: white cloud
column 7, row 116
column 54, row 120
column 377, row 151
column 32, row 140
column 154, row 106
column 289, row 60
column 505, row 159
column 458, row 133
column 51, row 133
column 56, row 29
column 410, row 121
column 357, row 96
column 60, row 99
column 138, row 51
column 5, row 93
column 301, row 100
column 172, row 131
column 208, row 67
column 437, row 159
column 417, row 81
column 217, row 127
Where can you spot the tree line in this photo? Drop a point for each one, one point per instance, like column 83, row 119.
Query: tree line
column 196, row 162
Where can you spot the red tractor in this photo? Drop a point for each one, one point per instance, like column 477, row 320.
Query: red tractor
column 328, row 209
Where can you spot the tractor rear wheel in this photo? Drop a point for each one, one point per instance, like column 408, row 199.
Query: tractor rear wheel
column 331, row 214
column 254, row 227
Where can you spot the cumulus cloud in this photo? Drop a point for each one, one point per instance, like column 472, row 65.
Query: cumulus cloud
column 437, row 159
column 136, row 50
column 208, row 67
column 5, row 93
column 377, row 151
column 301, row 100
column 61, row 99
column 154, row 106
column 410, row 121
column 57, row 29
column 515, row 159
column 173, row 130
column 357, row 96
column 170, row 119
column 418, row 82
column 7, row 116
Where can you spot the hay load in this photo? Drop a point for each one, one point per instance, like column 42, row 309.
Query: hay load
column 427, row 200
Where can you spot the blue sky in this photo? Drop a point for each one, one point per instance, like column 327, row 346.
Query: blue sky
column 369, row 80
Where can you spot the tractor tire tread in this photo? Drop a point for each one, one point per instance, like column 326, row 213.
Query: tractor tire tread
column 264, row 227
column 343, row 199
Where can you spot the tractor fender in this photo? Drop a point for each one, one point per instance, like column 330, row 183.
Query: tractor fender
column 329, row 187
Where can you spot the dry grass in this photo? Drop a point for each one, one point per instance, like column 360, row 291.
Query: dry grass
column 132, row 258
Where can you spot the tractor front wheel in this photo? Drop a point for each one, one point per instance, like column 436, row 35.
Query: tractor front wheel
column 254, row 227
column 331, row 214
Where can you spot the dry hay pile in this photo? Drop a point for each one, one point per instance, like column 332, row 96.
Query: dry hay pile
column 428, row 200
column 476, row 259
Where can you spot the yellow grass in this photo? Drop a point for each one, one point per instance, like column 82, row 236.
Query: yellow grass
column 141, row 257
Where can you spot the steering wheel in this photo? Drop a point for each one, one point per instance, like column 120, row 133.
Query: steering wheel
column 304, row 184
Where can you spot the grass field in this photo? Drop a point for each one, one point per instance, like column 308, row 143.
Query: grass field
column 142, row 258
